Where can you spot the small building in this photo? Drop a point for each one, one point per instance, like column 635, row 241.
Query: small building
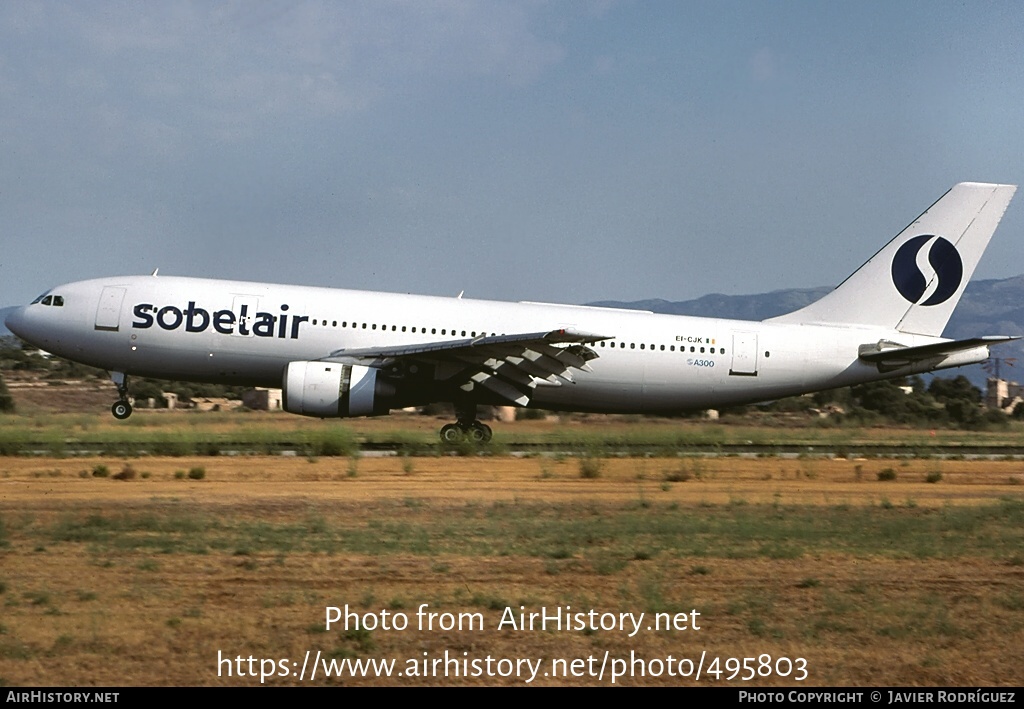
column 214, row 403
column 260, row 399
column 1003, row 394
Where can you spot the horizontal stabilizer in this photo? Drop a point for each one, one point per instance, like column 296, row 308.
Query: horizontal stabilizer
column 891, row 355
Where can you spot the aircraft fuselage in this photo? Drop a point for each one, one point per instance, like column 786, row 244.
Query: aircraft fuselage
column 246, row 333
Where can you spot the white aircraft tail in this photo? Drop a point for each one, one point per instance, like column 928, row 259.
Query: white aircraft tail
column 915, row 281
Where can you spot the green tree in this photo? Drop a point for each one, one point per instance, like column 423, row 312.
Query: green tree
column 958, row 388
column 142, row 389
column 888, row 399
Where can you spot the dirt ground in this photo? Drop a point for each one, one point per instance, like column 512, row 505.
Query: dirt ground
column 162, row 579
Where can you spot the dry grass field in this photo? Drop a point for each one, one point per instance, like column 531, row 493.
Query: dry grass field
column 151, row 579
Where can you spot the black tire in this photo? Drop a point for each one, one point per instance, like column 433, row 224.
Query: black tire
column 479, row 432
column 452, row 433
column 121, row 410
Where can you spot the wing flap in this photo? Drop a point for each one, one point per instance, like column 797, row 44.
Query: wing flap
column 501, row 388
column 536, row 370
column 509, row 366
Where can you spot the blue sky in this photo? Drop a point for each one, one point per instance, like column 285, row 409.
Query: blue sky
column 560, row 151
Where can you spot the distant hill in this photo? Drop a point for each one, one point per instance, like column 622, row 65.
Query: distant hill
column 993, row 307
column 734, row 307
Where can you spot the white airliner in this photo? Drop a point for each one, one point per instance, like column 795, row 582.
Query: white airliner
column 340, row 353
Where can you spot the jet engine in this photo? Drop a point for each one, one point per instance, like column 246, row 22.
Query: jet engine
column 332, row 390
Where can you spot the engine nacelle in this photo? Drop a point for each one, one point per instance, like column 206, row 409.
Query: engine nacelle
column 332, row 390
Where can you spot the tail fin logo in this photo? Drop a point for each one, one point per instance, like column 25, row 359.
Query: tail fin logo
column 943, row 258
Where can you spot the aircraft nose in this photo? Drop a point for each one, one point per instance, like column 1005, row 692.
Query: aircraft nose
column 15, row 321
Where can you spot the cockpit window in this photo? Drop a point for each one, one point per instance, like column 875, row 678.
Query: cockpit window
column 46, row 299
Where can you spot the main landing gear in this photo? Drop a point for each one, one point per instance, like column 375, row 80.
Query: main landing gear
column 473, row 431
column 122, row 408
column 467, row 428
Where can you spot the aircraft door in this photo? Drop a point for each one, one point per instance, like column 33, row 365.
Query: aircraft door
column 108, row 312
column 744, row 354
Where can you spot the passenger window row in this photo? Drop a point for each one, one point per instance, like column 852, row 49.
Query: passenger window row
column 473, row 333
column 671, row 348
column 396, row 328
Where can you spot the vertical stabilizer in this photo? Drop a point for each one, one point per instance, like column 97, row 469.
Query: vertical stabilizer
column 915, row 281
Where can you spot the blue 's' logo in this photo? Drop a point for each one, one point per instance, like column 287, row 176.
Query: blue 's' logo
column 943, row 257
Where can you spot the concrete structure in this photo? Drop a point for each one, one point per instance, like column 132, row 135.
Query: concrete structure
column 211, row 403
column 260, row 399
column 1003, row 394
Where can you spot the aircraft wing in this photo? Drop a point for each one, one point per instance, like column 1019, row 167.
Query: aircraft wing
column 891, row 355
column 510, row 366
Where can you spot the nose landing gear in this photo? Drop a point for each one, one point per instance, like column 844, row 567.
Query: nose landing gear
column 122, row 408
